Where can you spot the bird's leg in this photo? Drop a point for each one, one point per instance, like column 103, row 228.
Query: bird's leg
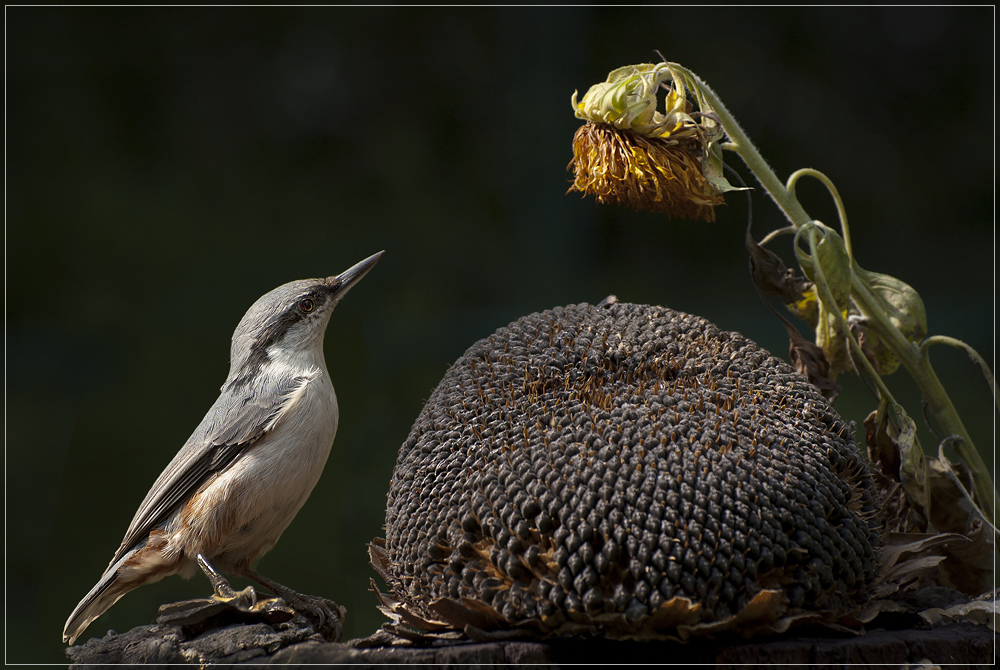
column 227, row 605
column 329, row 615
column 246, row 599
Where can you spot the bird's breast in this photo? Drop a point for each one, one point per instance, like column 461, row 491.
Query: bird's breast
column 285, row 465
column 242, row 512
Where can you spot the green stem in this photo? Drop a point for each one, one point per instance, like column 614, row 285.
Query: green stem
column 787, row 230
column 938, row 403
column 741, row 144
column 834, row 193
column 911, row 357
column 826, row 296
column 970, row 352
column 953, row 476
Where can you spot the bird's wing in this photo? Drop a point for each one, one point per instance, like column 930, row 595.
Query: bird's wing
column 235, row 423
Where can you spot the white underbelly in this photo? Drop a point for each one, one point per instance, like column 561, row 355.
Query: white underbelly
column 249, row 505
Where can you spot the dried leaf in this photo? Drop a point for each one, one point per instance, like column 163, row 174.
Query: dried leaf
column 901, row 429
column 978, row 612
column 913, row 568
column 901, row 547
column 467, row 612
column 910, row 560
column 398, row 613
column 969, row 567
column 880, row 355
column 810, row 361
column 678, row 619
column 882, row 449
column 948, row 508
column 378, row 557
column 981, row 611
column 770, row 276
column 875, row 608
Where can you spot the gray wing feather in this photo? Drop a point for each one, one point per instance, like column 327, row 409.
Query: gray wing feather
column 235, row 422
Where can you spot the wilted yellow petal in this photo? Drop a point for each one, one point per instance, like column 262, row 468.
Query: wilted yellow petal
column 623, row 167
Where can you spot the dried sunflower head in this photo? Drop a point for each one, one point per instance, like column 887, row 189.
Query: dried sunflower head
column 631, row 153
column 622, row 166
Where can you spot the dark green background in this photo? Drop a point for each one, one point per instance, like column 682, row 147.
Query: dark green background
column 166, row 167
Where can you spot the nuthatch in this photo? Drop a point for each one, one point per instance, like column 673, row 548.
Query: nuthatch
column 239, row 480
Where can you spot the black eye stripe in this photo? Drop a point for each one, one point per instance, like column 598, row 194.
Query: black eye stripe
column 275, row 327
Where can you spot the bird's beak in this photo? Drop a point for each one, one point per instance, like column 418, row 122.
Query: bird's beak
column 345, row 280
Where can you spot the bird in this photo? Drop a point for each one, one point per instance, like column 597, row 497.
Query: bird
column 239, row 480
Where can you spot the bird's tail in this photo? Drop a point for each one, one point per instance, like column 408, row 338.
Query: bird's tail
column 120, row 578
column 105, row 593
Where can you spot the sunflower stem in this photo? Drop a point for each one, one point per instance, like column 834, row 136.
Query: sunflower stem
column 740, row 143
column 916, row 361
column 913, row 357
column 834, row 193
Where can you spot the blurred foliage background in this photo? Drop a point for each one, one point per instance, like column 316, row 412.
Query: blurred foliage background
column 166, row 167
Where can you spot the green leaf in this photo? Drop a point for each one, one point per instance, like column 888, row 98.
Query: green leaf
column 833, row 260
column 830, row 269
column 903, row 308
column 713, row 168
column 902, row 304
column 832, row 339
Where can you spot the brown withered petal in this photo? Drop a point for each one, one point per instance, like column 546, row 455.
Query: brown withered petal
column 652, row 175
column 810, row 361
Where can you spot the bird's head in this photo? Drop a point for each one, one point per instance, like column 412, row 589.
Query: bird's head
column 290, row 321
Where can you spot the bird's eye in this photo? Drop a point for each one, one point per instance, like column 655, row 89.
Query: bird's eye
column 307, row 305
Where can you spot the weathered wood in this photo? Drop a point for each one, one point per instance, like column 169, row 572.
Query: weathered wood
column 294, row 643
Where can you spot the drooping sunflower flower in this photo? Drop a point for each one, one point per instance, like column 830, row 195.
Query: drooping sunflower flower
column 622, row 166
column 630, row 153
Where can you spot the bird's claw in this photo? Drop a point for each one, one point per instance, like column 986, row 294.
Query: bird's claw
column 244, row 600
column 327, row 616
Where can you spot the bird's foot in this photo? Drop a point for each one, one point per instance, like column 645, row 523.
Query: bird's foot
column 245, row 600
column 326, row 616
column 226, row 605
column 208, row 613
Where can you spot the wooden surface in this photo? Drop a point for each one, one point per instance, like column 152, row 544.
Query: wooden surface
column 293, row 643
